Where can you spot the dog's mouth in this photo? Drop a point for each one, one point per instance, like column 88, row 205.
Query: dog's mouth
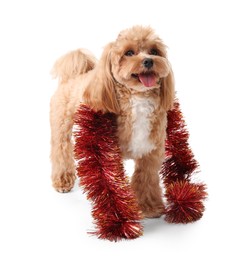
column 148, row 79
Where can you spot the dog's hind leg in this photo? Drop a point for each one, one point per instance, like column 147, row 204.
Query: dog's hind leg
column 63, row 166
column 63, row 107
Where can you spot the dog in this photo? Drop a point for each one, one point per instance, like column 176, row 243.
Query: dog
column 132, row 79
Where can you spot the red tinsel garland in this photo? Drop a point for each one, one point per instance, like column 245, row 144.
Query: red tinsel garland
column 100, row 169
column 180, row 162
column 102, row 175
column 185, row 199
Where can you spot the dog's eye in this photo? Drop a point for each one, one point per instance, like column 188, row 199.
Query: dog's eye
column 154, row 52
column 129, row 53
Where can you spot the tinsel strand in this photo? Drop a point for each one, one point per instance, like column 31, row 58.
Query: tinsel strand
column 100, row 169
column 180, row 162
column 185, row 199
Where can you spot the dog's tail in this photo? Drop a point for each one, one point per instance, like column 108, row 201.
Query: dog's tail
column 73, row 64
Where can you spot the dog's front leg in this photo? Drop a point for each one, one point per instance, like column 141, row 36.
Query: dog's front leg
column 146, row 184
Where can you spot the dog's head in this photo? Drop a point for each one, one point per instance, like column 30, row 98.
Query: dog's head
column 136, row 60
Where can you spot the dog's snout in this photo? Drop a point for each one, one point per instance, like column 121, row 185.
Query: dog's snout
column 148, row 63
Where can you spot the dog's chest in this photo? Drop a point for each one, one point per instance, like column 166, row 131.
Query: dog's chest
column 137, row 126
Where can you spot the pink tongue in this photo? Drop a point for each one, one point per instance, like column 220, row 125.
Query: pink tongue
column 148, row 80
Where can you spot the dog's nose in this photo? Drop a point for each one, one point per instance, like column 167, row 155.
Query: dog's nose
column 148, row 63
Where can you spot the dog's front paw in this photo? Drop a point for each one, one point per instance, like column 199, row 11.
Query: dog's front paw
column 153, row 212
column 64, row 182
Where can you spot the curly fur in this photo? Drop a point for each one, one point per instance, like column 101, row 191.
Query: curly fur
column 138, row 88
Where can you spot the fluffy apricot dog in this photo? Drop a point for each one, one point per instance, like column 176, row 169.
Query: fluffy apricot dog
column 134, row 80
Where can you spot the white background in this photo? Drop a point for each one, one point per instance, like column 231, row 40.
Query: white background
column 209, row 47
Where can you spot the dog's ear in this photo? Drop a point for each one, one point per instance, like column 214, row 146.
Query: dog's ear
column 100, row 93
column 167, row 92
